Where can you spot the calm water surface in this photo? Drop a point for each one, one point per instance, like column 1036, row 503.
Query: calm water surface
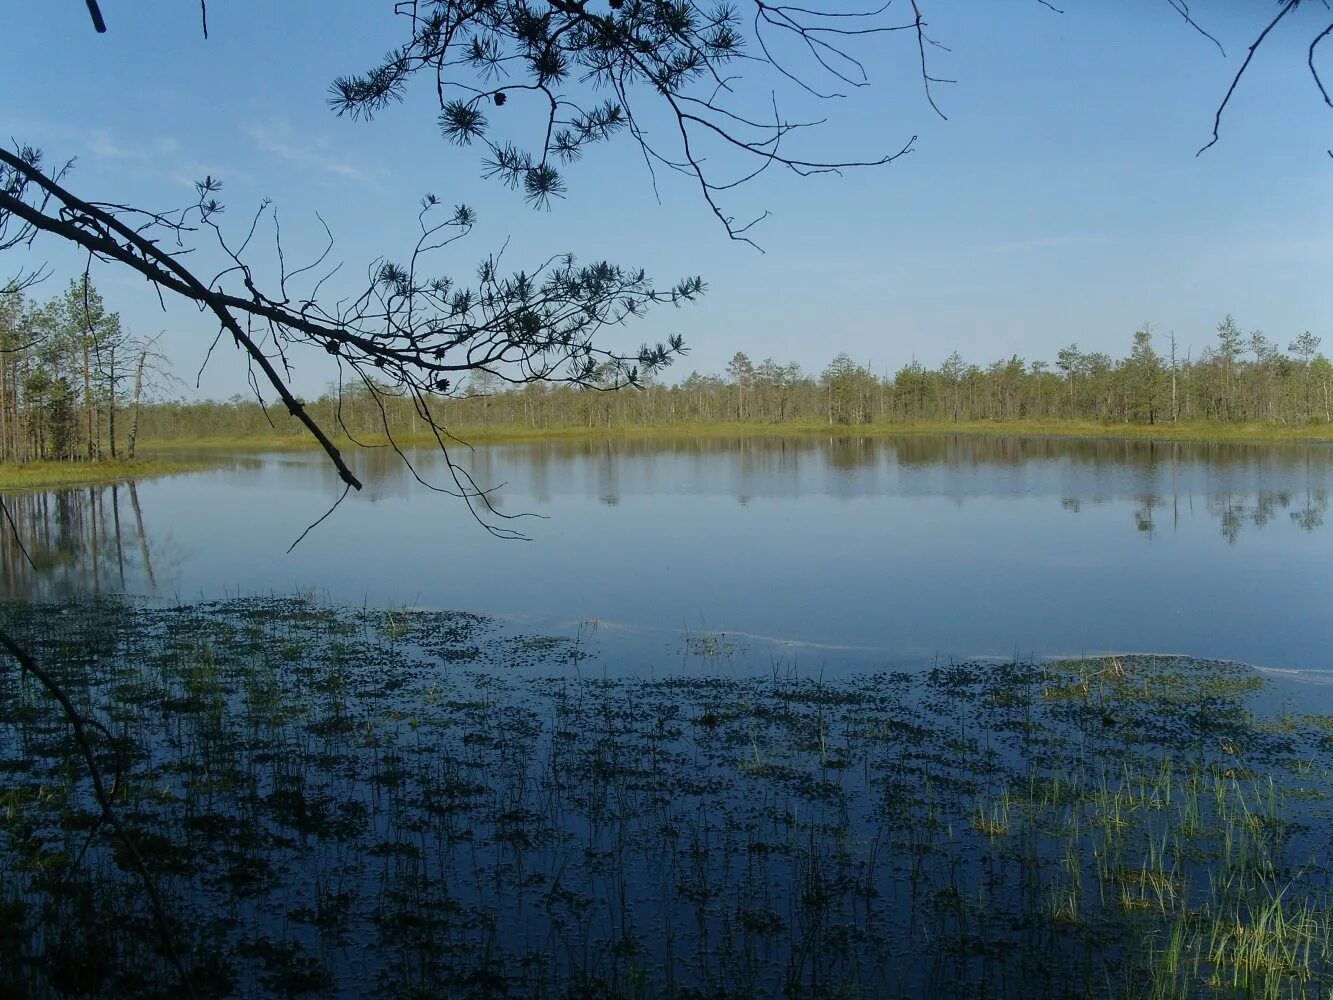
column 827, row 551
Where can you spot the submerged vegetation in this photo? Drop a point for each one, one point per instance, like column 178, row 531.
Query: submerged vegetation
column 407, row 803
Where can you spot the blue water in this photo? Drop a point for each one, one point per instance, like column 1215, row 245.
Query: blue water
column 861, row 551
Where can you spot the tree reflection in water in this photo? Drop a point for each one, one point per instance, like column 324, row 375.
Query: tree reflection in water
column 88, row 539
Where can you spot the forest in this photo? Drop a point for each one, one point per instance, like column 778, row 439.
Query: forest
column 75, row 386
column 68, row 372
column 1242, row 378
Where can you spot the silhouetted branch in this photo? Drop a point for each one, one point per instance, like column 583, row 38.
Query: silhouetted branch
column 1287, row 8
column 673, row 53
column 322, row 518
column 596, row 73
column 921, row 41
column 1183, row 9
column 17, row 233
column 415, row 330
column 99, row 25
column 1315, row 72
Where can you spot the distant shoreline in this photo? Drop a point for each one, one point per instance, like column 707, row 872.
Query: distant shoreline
column 173, row 456
column 1182, row 431
column 54, row 475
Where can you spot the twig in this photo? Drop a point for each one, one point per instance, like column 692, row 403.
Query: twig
column 1287, row 8
column 99, row 25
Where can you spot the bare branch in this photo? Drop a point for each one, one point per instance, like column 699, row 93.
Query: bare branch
column 416, row 329
column 95, row 12
column 1315, row 72
column 921, row 41
column 1183, row 9
column 1287, row 8
column 664, row 52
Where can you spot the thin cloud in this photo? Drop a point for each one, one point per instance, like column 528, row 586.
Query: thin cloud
column 1302, row 250
column 98, row 143
column 103, row 146
column 277, row 138
column 1038, row 243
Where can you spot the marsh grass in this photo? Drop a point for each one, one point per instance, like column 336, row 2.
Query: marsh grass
column 50, row 475
column 405, row 803
column 1180, row 431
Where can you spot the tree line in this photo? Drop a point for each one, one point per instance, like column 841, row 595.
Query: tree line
column 68, row 373
column 1238, row 378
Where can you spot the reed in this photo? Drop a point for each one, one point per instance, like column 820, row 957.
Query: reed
column 408, row 803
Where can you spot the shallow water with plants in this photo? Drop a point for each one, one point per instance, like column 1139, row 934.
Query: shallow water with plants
column 347, row 802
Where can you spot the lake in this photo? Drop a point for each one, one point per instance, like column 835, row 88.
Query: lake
column 664, row 747
column 826, row 551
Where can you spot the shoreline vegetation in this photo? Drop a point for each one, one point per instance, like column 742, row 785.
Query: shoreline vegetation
column 58, row 430
column 174, row 456
column 57, row 475
column 1192, row 431
column 177, row 455
column 1240, row 390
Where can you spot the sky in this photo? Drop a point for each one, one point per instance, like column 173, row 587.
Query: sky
column 1062, row 200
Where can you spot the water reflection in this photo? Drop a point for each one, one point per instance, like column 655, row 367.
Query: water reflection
column 850, row 452
column 84, row 540
column 901, row 548
column 1237, row 512
column 1233, row 512
column 851, row 467
column 1241, row 485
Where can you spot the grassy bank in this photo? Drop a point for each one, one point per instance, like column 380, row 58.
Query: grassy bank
column 172, row 456
column 1193, row 431
column 47, row 475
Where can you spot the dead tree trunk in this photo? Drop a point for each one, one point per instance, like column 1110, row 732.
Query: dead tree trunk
column 134, row 404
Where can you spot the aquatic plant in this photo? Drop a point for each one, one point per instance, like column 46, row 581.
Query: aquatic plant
column 408, row 803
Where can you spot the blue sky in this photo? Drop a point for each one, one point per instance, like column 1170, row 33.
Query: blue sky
column 1062, row 200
